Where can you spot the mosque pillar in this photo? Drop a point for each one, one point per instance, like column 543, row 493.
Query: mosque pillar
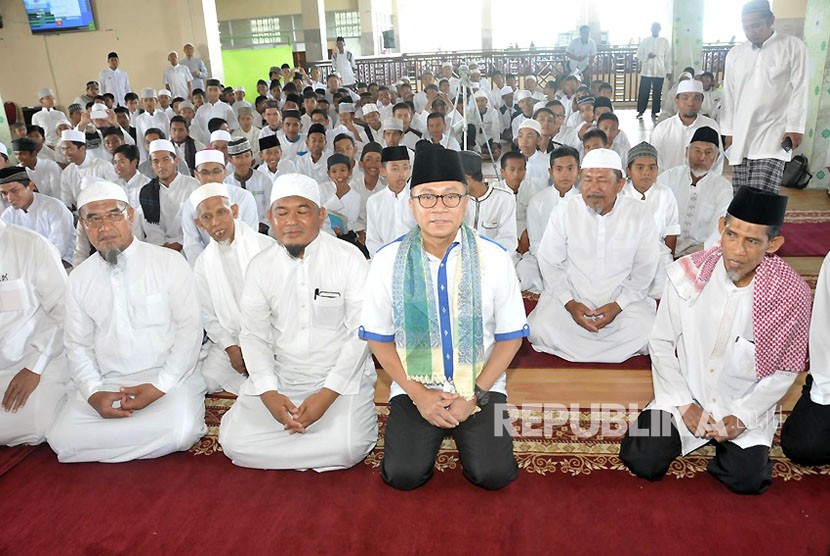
column 816, row 144
column 368, row 33
column 314, row 30
column 487, row 24
column 687, row 35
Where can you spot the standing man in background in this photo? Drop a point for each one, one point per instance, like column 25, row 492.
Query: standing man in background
column 196, row 66
column 114, row 81
column 581, row 53
column 654, row 55
column 344, row 64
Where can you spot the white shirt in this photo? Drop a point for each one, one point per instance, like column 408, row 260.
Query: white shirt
column 47, row 176
column 291, row 150
column 712, row 102
column 345, row 65
column 196, row 239
column 259, row 186
column 195, row 64
column 671, row 137
column 176, row 78
column 171, row 200
column 660, row 64
column 226, row 277
column 49, row 119
column 300, row 318
column 140, row 315
column 820, row 337
column 73, row 174
column 252, row 135
column 703, row 351
column 582, row 49
column 502, row 310
column 358, row 184
column 538, row 166
column 32, row 288
column 388, row 216
column 284, row 166
column 567, row 136
column 699, row 207
column 208, row 111
column 317, row 170
column 116, row 82
column 348, row 206
column 133, row 187
column 621, row 146
column 48, row 153
column 663, row 206
column 527, row 189
column 597, row 259
column 50, row 218
column 145, row 121
column 494, row 215
column 538, row 213
column 764, row 96
column 487, row 125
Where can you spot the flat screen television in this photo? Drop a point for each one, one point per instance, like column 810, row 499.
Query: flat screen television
column 55, row 16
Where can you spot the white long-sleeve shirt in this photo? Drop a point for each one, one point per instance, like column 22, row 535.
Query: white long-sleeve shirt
column 318, row 171
column 820, row 338
column 671, row 137
column 300, row 318
column 116, row 82
column 176, row 78
column 48, row 119
column 388, row 216
column 259, row 186
column 660, row 64
column 702, row 350
column 538, row 213
column 50, row 218
column 47, row 176
column 195, row 64
column 208, row 111
column 31, row 298
column 133, row 187
column 764, row 96
column 196, row 239
column 73, row 174
column 494, row 215
column 137, row 316
column 171, row 201
column 144, row 121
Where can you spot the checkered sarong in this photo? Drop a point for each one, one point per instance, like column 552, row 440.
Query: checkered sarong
column 765, row 174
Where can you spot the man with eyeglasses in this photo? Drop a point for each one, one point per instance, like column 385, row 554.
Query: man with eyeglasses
column 161, row 199
column 444, row 316
column 309, row 401
column 210, row 168
column 133, row 334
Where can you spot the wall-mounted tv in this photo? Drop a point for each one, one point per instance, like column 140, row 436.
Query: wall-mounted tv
column 55, row 16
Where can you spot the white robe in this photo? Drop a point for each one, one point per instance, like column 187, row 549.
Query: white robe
column 116, row 82
column 291, row 150
column 31, row 326
column 596, row 260
column 50, row 218
column 820, row 338
column 699, row 207
column 318, row 171
column 359, row 185
column 284, row 166
column 671, row 137
column 494, row 215
column 134, row 323
column 702, row 350
column 219, row 272
column 171, row 198
column 144, row 121
column 764, row 96
column 388, row 216
column 299, row 335
column 73, row 174
column 133, row 187
column 208, row 111
column 259, row 186
column 176, row 78
column 196, row 239
column 567, row 136
column 49, row 119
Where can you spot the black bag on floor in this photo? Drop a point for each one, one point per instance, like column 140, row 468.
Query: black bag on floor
column 797, row 173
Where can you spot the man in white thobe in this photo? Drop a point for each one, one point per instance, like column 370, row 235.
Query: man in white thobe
column 196, row 66
column 40, row 213
column 220, row 270
column 344, row 63
column 598, row 257
column 33, row 372
column 45, row 173
column 702, row 196
column 213, row 108
column 764, row 109
column 113, row 80
column 309, row 401
column 671, row 136
column 177, row 78
column 132, row 335
column 48, row 117
column 728, row 341
column 73, row 147
column 654, row 60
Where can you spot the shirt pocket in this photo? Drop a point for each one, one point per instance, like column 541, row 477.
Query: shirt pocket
column 15, row 296
column 490, row 224
column 149, row 310
column 739, row 372
column 328, row 313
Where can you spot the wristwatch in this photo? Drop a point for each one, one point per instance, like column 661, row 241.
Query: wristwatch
column 482, row 397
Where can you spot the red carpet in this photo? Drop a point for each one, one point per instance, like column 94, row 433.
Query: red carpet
column 9, row 457
column 805, row 239
column 185, row 505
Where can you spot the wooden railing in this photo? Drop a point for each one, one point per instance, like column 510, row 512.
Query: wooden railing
column 616, row 64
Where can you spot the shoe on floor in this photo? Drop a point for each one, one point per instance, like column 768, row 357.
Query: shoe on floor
column 639, row 115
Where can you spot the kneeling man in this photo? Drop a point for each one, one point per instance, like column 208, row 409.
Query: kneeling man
column 444, row 316
column 309, row 401
column 598, row 257
column 728, row 340
column 220, row 271
column 132, row 335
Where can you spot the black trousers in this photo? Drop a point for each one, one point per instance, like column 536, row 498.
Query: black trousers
column 655, row 85
column 805, row 436
column 650, row 453
column 411, row 445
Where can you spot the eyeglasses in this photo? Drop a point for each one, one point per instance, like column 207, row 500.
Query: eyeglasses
column 96, row 220
column 428, row 200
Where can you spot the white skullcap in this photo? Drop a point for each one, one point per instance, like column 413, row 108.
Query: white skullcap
column 347, row 107
column 538, row 105
column 533, row 77
column 207, row 191
column 289, row 185
column 174, row 52
column 446, row 65
column 185, row 104
column 531, row 124
column 220, row 135
column 99, row 112
column 45, row 93
column 74, row 136
column 506, row 90
column 94, row 189
column 690, row 86
column 239, row 89
column 480, row 94
column 686, row 75
column 148, row 92
column 475, row 70
column 602, row 158
column 521, row 95
column 369, row 108
column 393, row 124
column 165, row 92
column 162, row 145
column 4, row 150
column 538, row 95
column 210, row 155
column 476, row 85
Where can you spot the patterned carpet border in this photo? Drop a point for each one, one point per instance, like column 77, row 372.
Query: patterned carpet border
column 807, row 216
column 556, row 450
